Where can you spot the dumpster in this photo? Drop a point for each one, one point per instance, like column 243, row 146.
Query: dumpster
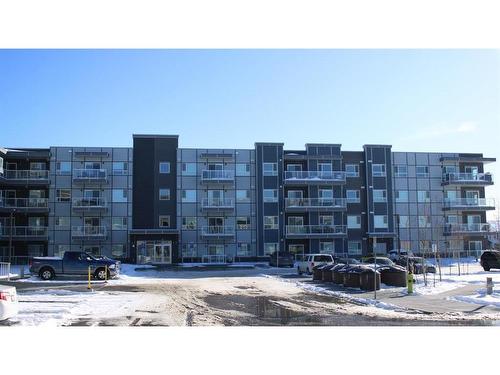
column 326, row 273
column 318, row 272
column 368, row 278
column 338, row 273
column 393, row 275
column 352, row 276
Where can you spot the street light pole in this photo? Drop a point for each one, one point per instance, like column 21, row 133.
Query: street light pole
column 375, row 273
column 10, row 234
column 399, row 237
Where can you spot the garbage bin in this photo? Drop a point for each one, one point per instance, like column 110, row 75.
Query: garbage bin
column 393, row 275
column 368, row 279
column 338, row 273
column 317, row 272
column 352, row 276
column 326, row 273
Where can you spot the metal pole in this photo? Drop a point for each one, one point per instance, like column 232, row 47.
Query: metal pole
column 399, row 237
column 375, row 273
column 10, row 234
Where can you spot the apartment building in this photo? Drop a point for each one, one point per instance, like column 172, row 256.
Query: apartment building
column 158, row 203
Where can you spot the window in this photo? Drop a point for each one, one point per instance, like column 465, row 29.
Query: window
column 326, row 220
column 380, row 221
column 164, row 167
column 325, row 193
column 120, row 167
column 189, row 250
column 296, row 221
column 422, row 171
column 352, row 196
column 63, row 195
column 188, row 196
column 60, row 250
column 378, row 170
column 424, row 221
column 164, row 194
column 451, row 194
column 270, row 169
column 327, row 247
column 63, row 167
column 404, row 221
column 270, row 195
column 270, row 248
column 62, row 221
column 188, row 169
column 325, row 167
column 352, row 170
column 452, row 219
column 189, row 223
column 475, row 245
column 37, row 166
column 119, row 195
column 296, row 249
column 164, row 221
column 243, row 249
column 354, row 248
column 242, row 196
column 118, row 251
column 400, row 171
column 353, row 221
column 401, row 196
column 294, row 168
column 295, row 194
column 270, row 222
column 242, row 169
column 243, row 222
column 380, row 195
column 119, row 223
column 423, row 196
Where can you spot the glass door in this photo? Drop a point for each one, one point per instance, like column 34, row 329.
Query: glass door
column 163, row 252
column 472, row 197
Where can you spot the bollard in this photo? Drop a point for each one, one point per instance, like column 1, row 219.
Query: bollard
column 489, row 285
column 90, row 285
column 21, row 273
column 409, row 282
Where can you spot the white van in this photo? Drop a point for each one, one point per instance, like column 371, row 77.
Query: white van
column 306, row 265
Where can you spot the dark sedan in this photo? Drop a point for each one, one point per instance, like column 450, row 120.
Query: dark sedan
column 417, row 264
column 281, row 259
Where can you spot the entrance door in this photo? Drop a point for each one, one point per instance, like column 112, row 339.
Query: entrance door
column 162, row 253
column 472, row 197
column 473, row 171
column 215, row 225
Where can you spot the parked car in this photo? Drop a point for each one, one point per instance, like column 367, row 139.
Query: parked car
column 311, row 260
column 281, row 259
column 395, row 254
column 381, row 261
column 490, row 259
column 338, row 260
column 416, row 264
column 74, row 263
column 9, row 305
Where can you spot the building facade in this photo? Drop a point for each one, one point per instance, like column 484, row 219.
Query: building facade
column 158, row 203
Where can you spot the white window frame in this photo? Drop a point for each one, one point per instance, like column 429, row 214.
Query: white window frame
column 272, row 172
column 273, row 192
column 186, row 171
column 124, row 196
column 164, row 197
column 274, row 222
column 382, row 198
column 398, row 199
column 421, row 174
column 188, row 198
column 119, row 226
column 376, row 221
column 189, row 225
column 352, row 174
column 353, row 221
column 381, row 173
column 244, row 173
column 163, row 217
column 398, row 173
column 353, row 200
column 357, row 251
column 162, row 164
column 427, row 197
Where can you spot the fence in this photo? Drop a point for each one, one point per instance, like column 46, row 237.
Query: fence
column 4, row 270
column 16, row 260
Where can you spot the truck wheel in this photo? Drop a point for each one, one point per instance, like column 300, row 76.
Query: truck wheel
column 486, row 267
column 100, row 274
column 46, row 274
column 299, row 271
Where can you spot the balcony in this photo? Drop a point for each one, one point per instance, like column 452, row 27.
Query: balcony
column 473, row 179
column 31, row 177
column 90, row 176
column 217, row 204
column 466, row 229
column 217, row 231
column 24, row 204
column 33, row 233
column 473, row 204
column 219, row 176
column 311, row 177
column 89, row 204
column 88, row 232
column 316, row 204
column 315, row 231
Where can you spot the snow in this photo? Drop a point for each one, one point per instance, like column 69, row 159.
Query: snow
column 481, row 298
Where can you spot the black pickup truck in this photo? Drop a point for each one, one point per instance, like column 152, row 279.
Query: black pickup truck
column 74, row 263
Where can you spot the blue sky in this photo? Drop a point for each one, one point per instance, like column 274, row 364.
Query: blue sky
column 419, row 100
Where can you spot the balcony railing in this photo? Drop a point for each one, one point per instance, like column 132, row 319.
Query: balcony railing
column 24, row 203
column 28, row 232
column 315, row 203
column 26, row 175
column 471, row 178
column 217, row 203
column 90, row 175
column 315, row 230
column 472, row 203
column 217, row 230
column 311, row 176
column 219, row 175
column 88, row 231
column 89, row 204
column 467, row 228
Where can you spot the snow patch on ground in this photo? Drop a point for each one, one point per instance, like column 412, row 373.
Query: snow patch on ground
column 481, row 298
